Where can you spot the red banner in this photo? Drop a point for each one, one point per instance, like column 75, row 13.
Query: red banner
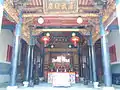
column 9, row 53
column 112, row 51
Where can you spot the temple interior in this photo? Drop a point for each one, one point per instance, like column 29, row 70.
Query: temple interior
column 59, row 42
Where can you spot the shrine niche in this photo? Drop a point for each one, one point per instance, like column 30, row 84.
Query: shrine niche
column 62, row 69
column 61, row 59
column 61, row 63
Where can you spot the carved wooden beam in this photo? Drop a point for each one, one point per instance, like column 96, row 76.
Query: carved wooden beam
column 58, row 30
column 81, row 7
column 87, row 7
column 36, row 32
column 61, row 50
column 41, row 14
column 28, row 20
column 25, row 32
column 109, row 10
column 12, row 12
column 26, row 39
column 96, row 38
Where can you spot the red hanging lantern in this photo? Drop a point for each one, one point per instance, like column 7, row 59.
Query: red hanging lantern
column 45, row 39
column 75, row 40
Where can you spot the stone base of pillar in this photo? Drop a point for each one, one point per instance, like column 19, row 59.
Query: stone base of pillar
column 25, row 83
column 95, row 84
column 90, row 82
column 31, row 83
column 11, row 88
column 108, row 88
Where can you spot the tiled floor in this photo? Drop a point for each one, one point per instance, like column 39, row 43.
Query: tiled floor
column 45, row 86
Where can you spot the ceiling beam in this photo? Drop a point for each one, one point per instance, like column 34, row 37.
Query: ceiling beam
column 59, row 30
column 61, row 50
column 80, row 9
column 12, row 12
column 65, row 15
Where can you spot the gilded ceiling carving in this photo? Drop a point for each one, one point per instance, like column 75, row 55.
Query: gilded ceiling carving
column 12, row 12
column 36, row 8
column 109, row 10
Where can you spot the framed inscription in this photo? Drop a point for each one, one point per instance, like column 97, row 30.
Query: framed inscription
column 60, row 6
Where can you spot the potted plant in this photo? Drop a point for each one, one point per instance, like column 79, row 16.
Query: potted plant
column 51, row 67
column 71, row 67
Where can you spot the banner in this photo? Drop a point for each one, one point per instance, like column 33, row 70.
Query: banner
column 9, row 53
column 112, row 51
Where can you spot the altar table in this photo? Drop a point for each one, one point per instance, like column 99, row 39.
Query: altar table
column 60, row 78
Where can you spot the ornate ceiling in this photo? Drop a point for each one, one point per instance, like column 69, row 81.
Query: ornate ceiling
column 60, row 13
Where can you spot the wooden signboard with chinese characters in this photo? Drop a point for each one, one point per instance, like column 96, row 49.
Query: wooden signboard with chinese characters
column 60, row 6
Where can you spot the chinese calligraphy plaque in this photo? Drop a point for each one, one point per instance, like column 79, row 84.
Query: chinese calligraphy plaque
column 61, row 6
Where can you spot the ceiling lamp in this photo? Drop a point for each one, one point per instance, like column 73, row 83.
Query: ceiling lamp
column 52, row 46
column 73, row 34
column 70, row 46
column 79, row 20
column 40, row 20
column 48, row 34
